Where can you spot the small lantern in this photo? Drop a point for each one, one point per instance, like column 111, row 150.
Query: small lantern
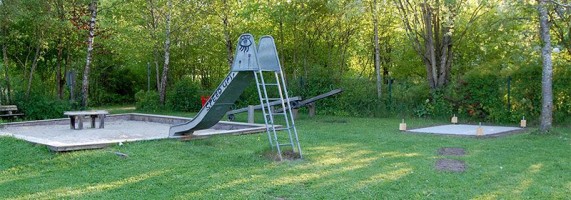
column 523, row 122
column 454, row 119
column 402, row 126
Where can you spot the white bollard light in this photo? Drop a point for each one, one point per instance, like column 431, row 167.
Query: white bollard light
column 454, row 119
column 402, row 126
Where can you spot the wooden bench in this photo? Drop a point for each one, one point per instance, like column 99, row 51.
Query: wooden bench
column 79, row 115
column 9, row 111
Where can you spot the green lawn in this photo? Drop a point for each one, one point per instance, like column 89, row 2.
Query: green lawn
column 345, row 158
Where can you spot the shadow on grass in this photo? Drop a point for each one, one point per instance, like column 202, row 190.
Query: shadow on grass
column 362, row 158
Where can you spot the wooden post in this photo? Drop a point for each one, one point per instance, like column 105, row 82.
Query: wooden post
column 311, row 108
column 480, row 130
column 294, row 112
column 454, row 119
column 402, row 126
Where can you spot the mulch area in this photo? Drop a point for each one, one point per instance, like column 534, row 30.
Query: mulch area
column 450, row 165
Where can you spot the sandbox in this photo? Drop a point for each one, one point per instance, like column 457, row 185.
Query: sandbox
column 57, row 135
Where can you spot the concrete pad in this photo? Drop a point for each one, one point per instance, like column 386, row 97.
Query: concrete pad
column 465, row 130
column 57, row 135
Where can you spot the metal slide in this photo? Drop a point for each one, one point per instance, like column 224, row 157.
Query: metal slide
column 228, row 91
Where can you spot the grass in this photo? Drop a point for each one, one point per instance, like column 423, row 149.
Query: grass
column 344, row 158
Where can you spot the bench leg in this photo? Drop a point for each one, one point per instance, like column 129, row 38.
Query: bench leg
column 101, row 121
column 93, row 120
column 72, row 122
column 80, row 122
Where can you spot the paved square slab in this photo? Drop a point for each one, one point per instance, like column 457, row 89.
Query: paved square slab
column 465, row 130
column 57, row 135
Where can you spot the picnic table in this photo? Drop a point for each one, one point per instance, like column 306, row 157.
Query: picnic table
column 79, row 115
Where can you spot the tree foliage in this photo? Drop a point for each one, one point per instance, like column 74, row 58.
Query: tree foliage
column 435, row 57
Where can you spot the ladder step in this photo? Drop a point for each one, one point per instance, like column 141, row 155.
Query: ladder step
column 282, row 129
column 278, row 129
column 269, row 84
column 272, row 99
column 275, row 114
column 288, row 144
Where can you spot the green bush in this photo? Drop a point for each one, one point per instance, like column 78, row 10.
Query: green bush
column 147, row 101
column 39, row 107
column 184, row 96
column 526, row 93
column 438, row 105
column 482, row 99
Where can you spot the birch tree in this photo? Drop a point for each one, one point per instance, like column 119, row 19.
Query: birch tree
column 88, row 60
column 163, row 85
column 547, row 71
column 377, row 50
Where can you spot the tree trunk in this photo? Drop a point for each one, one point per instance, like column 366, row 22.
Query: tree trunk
column 59, row 59
column 32, row 69
column 377, row 52
column 6, row 75
column 59, row 79
column 153, row 25
column 157, row 69
column 431, row 38
column 91, row 37
column 547, row 72
column 162, row 91
column 228, row 40
column 430, row 62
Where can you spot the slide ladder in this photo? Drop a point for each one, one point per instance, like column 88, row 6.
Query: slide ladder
column 283, row 136
column 251, row 62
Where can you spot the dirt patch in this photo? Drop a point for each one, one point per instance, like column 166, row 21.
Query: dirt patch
column 450, row 165
column 451, row 151
column 286, row 155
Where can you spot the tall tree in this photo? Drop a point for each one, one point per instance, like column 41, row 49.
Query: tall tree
column 152, row 24
column 430, row 25
column 162, row 91
column 3, row 41
column 547, row 72
column 88, row 60
column 34, row 65
column 560, row 20
column 377, row 50
column 60, row 46
column 430, row 30
column 226, row 9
